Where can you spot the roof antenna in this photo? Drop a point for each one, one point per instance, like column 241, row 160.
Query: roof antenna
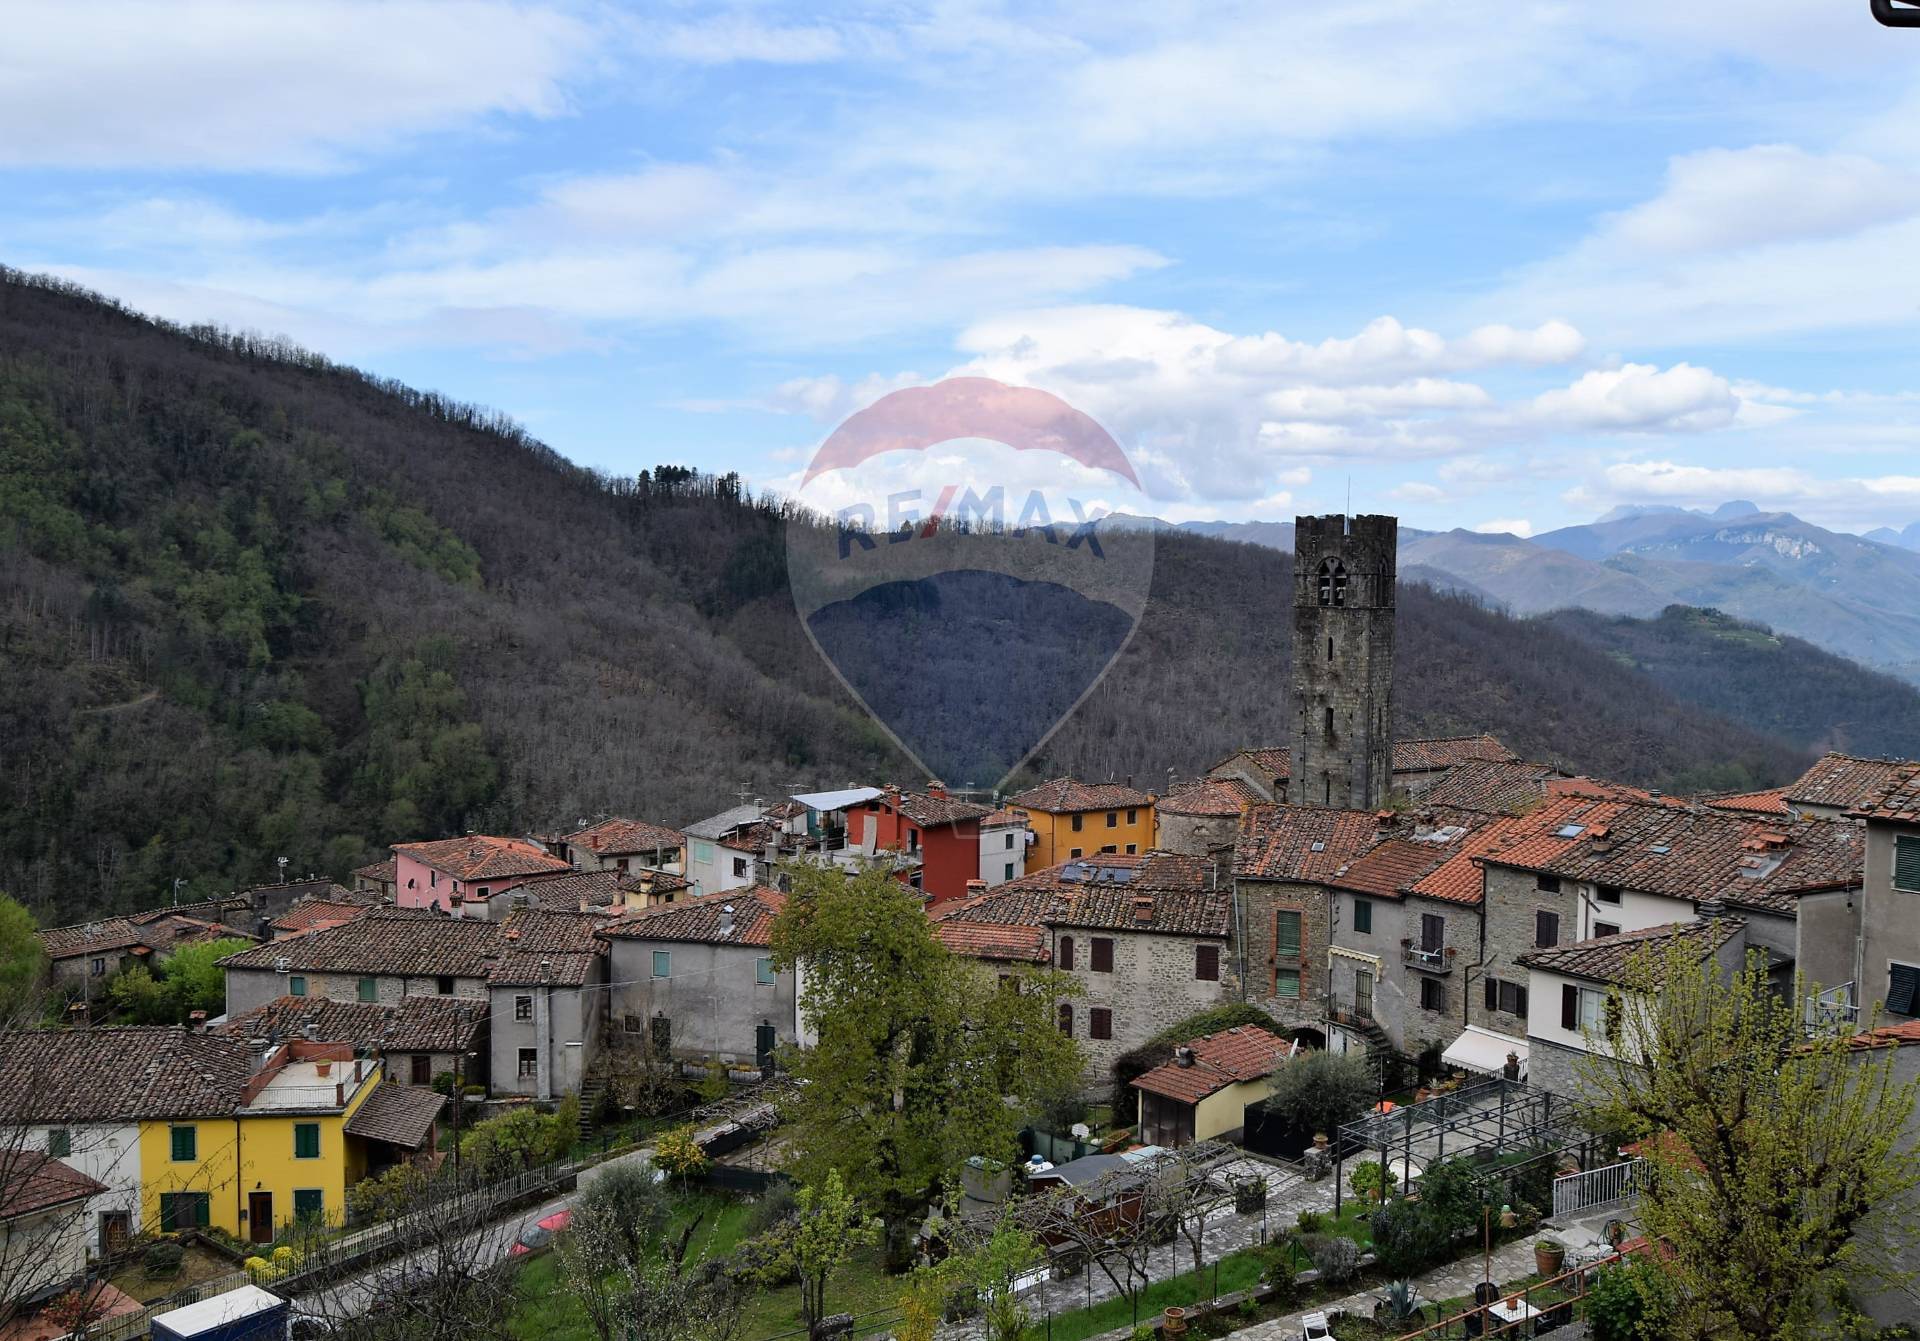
column 1349, row 494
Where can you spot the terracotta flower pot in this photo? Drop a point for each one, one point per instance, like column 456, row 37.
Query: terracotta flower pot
column 323, row 1069
column 1173, row 1322
column 1549, row 1259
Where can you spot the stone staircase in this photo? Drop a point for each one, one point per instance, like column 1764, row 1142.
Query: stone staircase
column 592, row 1086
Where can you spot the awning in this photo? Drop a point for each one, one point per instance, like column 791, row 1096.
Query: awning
column 1484, row 1051
column 826, row 802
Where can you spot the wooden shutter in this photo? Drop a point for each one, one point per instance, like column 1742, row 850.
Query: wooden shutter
column 1066, row 1018
column 1906, row 862
column 1286, row 933
column 1433, row 931
column 1570, row 1007
column 1206, row 963
column 1493, row 994
column 1103, row 954
column 1546, row 929
column 1099, row 1023
column 1066, row 952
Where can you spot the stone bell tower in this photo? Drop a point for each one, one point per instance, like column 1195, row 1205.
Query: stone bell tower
column 1343, row 583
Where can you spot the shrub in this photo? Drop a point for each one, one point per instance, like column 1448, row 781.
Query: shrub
column 1279, row 1271
column 1455, row 1196
column 679, row 1153
column 162, row 1259
column 775, row 1207
column 1627, row 1303
column 1312, row 1222
column 1336, row 1257
column 1320, row 1091
column 1408, row 1237
column 1368, row 1180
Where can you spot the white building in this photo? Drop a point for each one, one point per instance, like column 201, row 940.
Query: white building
column 1004, row 837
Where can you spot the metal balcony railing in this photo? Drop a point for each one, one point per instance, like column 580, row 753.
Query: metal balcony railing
column 1834, row 1009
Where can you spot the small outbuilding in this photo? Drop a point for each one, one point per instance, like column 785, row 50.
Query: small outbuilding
column 1203, row 1093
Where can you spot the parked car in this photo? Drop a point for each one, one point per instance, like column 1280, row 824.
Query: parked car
column 540, row 1233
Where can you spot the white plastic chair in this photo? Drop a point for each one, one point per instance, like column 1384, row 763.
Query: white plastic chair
column 1313, row 1327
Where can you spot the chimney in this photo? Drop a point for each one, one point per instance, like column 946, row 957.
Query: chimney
column 935, row 787
column 197, row 1021
column 976, row 887
column 1183, row 1056
column 1129, row 780
column 520, row 899
column 546, row 970
column 1143, row 909
column 1710, row 910
column 726, row 919
column 772, row 853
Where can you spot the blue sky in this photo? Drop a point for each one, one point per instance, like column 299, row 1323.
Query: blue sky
column 1494, row 265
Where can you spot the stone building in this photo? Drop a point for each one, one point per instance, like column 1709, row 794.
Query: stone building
column 1202, row 817
column 1885, row 973
column 420, row 1038
column 1341, row 751
column 1147, row 936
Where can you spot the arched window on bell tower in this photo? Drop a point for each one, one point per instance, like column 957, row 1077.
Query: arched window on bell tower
column 1333, row 582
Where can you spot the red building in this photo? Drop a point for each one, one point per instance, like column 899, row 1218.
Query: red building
column 943, row 831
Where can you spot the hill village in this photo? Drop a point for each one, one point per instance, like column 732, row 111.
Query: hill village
column 1461, row 920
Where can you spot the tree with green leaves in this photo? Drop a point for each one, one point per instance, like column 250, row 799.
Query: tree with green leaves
column 1318, row 1091
column 983, row 1261
column 195, row 979
column 1781, row 1168
column 828, row 1227
column 23, row 961
column 921, row 1059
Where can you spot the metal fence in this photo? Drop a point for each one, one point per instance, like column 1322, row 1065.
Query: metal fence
column 1577, row 1192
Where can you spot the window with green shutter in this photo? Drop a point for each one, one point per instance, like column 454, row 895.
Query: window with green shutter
column 184, row 1210
column 296, row 985
column 1363, row 915
column 309, row 1204
column 306, row 1140
column 1286, row 983
column 186, row 1144
column 369, row 990
column 763, row 971
column 663, row 963
column 1286, row 933
column 59, row 1142
column 1906, row 863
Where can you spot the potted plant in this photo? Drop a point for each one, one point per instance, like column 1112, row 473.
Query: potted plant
column 1549, row 1257
column 1174, row 1322
column 323, row 1069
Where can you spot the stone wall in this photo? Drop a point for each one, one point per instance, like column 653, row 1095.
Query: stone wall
column 1342, row 750
column 1554, row 1066
column 1258, row 901
column 1152, row 986
column 248, row 988
column 1508, row 926
column 1196, row 835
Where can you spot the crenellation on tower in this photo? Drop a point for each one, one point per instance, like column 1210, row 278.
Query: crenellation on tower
column 1343, row 616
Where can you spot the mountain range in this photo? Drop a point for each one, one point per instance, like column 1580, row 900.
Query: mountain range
column 262, row 614
column 1857, row 596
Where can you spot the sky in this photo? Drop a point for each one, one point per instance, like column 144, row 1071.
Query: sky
column 1483, row 265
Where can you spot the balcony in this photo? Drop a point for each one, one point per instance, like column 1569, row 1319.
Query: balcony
column 1428, row 961
column 1833, row 1011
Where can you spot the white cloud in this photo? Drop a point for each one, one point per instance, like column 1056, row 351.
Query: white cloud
column 1519, row 526
column 230, row 85
column 1418, row 491
column 1638, row 397
column 1838, row 502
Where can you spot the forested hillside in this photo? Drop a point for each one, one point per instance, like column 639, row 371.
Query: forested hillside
column 255, row 606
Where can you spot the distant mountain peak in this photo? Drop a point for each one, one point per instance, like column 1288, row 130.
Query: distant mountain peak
column 1738, row 508
column 1627, row 511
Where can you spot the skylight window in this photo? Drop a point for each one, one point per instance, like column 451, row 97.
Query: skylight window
column 1319, row 847
column 1569, row 831
column 1659, row 849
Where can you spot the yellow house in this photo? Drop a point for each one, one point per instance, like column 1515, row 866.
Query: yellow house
column 310, row 1123
column 1203, row 1093
column 1078, row 819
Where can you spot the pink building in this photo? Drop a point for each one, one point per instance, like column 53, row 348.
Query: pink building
column 467, row 875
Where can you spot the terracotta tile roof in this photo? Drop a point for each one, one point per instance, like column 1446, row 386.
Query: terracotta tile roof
column 1498, row 786
column 1398, row 863
column 1160, row 893
column 158, row 930
column 381, row 872
column 703, row 919
column 1771, row 802
column 1419, row 756
column 1460, row 879
column 1606, row 958
column 624, row 837
column 483, row 857
column 417, row 1024
column 1596, row 790
column 1899, row 800
column 1245, row 1052
column 118, row 1073
column 1064, row 796
column 548, row 945
column 931, row 811
column 1310, row 844
column 310, row 914
column 654, row 883
column 1846, row 780
column 1904, row 1035
column 1686, row 853
column 1003, row 818
column 32, row 1180
column 1204, row 797
column 989, row 940
column 415, row 942
column 576, row 889
column 400, row 1115
column 753, row 838
column 1272, row 761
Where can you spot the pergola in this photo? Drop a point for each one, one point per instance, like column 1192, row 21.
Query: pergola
column 1491, row 1118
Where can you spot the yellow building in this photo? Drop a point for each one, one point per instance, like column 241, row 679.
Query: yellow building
column 1077, row 819
column 1203, row 1093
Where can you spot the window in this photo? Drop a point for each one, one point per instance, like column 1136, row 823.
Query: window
column 1582, row 1009
column 1099, row 1023
column 59, row 1142
column 1113, row 819
column 1333, row 582
column 1110, row 849
column 739, row 868
column 1102, row 954
column 1329, row 651
column 529, row 1062
column 1606, row 894
column 1009, row 840
column 1206, row 963
column 433, row 879
column 1008, row 875
column 660, row 1031
column 763, row 970
column 422, row 1073
column 369, row 989
column 1903, row 989
column 1906, row 863
column 1363, row 915
column 1133, row 849
column 98, row 968
column 296, row 985
column 630, row 1024
column 1549, row 884
column 1074, row 853
column 1433, row 932
column 484, row 892
column 306, row 1140
column 523, row 1008
column 186, row 1144
column 309, row 1204
column 1133, row 817
column 1066, row 952
column 1433, row 994
column 913, row 840
column 1286, row 983
column 184, row 1210
column 1077, row 821
column 1286, row 933
column 1329, row 719
column 443, row 985
column 1605, row 929
column 1509, row 997
column 663, row 963
column 1066, row 1018
column 1546, row 929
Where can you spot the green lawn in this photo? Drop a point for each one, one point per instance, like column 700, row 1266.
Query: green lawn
column 1238, row 1271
